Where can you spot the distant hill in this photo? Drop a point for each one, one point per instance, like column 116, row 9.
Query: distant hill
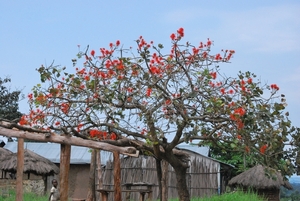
column 285, row 193
column 294, row 179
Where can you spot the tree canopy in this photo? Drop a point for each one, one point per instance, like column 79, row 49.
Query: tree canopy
column 163, row 98
column 9, row 101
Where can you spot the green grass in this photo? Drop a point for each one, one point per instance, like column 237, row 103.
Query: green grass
column 26, row 197
column 236, row 196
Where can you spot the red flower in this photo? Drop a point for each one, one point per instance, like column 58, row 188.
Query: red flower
column 222, row 91
column 30, row 96
column 118, row 43
column 23, row 121
column 148, row 92
column 87, row 78
column 275, row 87
column 247, row 149
column 93, row 52
column 93, row 133
column 208, row 42
column 65, row 107
column 154, row 70
column 213, row 75
column 249, row 81
column 173, row 36
column 79, row 127
column 168, row 102
column 240, row 111
column 218, row 57
column 263, row 148
column 113, row 136
column 231, row 91
column 195, row 50
column 180, row 31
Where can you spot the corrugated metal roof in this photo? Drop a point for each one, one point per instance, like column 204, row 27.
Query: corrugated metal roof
column 51, row 151
column 204, row 151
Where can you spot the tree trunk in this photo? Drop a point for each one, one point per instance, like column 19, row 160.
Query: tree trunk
column 91, row 192
column 181, row 185
column 20, row 168
column 65, row 155
column 164, row 180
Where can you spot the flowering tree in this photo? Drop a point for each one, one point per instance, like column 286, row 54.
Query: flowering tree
column 155, row 99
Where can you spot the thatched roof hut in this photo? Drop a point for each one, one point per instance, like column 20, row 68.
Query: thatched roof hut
column 264, row 180
column 33, row 163
column 4, row 153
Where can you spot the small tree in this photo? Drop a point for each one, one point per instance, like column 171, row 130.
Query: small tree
column 155, row 99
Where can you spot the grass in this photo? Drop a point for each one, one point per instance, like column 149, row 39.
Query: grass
column 236, row 196
column 26, row 197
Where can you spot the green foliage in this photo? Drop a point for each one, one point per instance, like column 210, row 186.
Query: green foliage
column 9, row 106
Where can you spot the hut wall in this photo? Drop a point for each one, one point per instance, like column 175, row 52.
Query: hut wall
column 270, row 194
column 78, row 180
column 35, row 186
column 202, row 176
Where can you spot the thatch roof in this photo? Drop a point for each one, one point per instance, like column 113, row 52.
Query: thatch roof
column 33, row 163
column 260, row 177
column 4, row 153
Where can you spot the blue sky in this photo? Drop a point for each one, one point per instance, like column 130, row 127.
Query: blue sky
column 264, row 34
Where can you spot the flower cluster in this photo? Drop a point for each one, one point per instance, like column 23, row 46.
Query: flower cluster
column 102, row 135
column 274, row 87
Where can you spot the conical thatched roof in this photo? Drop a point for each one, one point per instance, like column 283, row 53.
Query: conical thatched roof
column 33, row 163
column 4, row 153
column 260, row 177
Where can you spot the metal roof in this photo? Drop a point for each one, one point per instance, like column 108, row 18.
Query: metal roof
column 204, row 151
column 51, row 151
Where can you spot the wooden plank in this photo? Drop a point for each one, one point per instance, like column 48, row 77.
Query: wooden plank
column 20, row 168
column 65, row 155
column 117, row 176
column 63, row 139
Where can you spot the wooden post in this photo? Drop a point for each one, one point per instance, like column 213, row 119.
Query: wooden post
column 65, row 155
column 20, row 168
column 159, row 176
column 117, row 176
column 91, row 195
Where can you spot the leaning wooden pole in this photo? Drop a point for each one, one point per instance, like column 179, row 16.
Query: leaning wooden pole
column 117, row 176
column 99, row 171
column 65, row 155
column 20, row 168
